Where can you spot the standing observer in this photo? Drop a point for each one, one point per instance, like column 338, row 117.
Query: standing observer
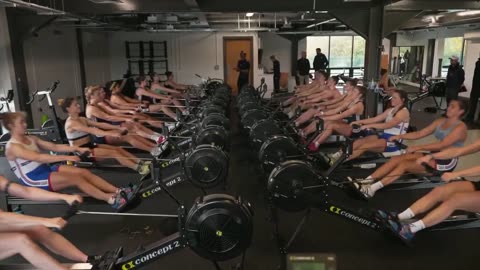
column 320, row 62
column 276, row 73
column 303, row 69
column 243, row 68
column 475, row 93
column 455, row 79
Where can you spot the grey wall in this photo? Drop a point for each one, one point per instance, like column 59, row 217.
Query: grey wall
column 5, row 56
column 97, row 57
column 273, row 44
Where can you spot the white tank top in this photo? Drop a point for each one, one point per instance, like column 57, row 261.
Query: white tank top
column 75, row 135
column 21, row 167
column 400, row 128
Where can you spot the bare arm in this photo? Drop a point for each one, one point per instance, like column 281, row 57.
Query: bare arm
column 112, row 110
column 143, row 92
column 18, row 151
column 355, row 110
column 457, row 151
column 105, row 126
column 379, row 118
column 400, row 117
column 56, row 147
column 421, row 133
column 94, row 111
column 78, row 126
column 457, row 135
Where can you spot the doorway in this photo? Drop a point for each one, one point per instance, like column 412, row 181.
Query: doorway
column 232, row 46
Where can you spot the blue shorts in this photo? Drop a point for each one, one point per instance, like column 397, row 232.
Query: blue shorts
column 40, row 177
column 389, row 146
column 99, row 140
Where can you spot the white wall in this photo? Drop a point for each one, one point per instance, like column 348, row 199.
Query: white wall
column 273, row 44
column 5, row 57
column 96, row 52
column 471, row 56
column 302, row 46
column 188, row 53
column 49, row 57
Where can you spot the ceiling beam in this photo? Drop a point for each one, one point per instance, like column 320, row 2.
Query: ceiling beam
column 433, row 5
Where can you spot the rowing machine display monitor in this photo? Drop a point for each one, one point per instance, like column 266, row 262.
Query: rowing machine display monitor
column 218, row 227
column 311, row 261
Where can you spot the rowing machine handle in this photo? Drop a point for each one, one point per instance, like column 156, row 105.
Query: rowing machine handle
column 85, row 157
column 71, row 211
column 32, row 97
column 54, row 86
column 400, row 144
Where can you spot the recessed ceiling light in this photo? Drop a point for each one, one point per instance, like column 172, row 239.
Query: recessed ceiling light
column 249, row 14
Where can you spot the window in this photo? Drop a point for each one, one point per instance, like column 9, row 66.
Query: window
column 452, row 46
column 358, row 51
column 346, row 54
column 315, row 42
column 146, row 56
column 340, row 52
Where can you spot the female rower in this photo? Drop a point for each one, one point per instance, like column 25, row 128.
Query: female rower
column 145, row 94
column 30, row 165
column 78, row 130
column 338, row 120
column 449, row 132
column 393, row 122
column 172, row 84
column 442, row 201
column 94, row 95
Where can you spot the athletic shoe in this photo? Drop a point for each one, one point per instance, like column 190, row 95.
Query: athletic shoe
column 120, row 201
column 385, row 216
column 312, row 147
column 172, row 126
column 185, row 113
column 365, row 181
column 143, row 169
column 155, row 152
column 359, row 189
column 161, row 139
column 130, row 191
column 403, row 232
column 334, row 157
column 161, row 148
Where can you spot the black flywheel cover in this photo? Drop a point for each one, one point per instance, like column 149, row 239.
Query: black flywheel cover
column 290, row 186
column 206, row 166
column 216, row 119
column 213, row 135
column 249, row 118
column 263, row 130
column 219, row 227
column 277, row 149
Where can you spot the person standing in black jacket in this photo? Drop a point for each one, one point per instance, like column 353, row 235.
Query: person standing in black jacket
column 475, row 93
column 276, row 73
column 303, row 69
column 320, row 62
column 455, row 79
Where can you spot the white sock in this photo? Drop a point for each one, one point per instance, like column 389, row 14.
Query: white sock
column 407, row 214
column 154, row 137
column 369, row 178
column 374, row 188
column 417, row 226
column 291, row 114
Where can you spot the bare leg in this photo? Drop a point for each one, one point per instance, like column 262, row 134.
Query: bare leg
column 330, row 128
column 61, row 180
column 56, row 243
column 19, row 243
column 134, row 140
column 466, row 201
column 406, row 166
column 440, row 194
column 121, row 150
column 304, row 117
column 102, row 153
column 370, row 143
column 311, row 128
column 392, row 164
column 95, row 180
column 179, row 105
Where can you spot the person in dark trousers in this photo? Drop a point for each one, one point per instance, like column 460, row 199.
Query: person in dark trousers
column 303, row 69
column 475, row 93
column 276, row 73
column 243, row 68
column 320, row 62
column 455, row 79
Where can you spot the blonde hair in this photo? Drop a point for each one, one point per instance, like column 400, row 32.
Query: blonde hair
column 9, row 118
column 90, row 91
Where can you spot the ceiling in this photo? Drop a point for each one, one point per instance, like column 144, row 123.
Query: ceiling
column 268, row 15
